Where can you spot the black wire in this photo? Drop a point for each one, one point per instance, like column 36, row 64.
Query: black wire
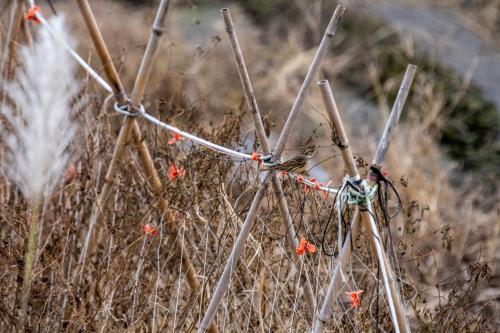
column 343, row 220
column 52, row 7
column 384, row 186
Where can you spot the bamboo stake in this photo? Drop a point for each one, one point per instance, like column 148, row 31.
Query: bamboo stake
column 11, row 43
column 145, row 156
column 334, row 116
column 342, row 263
column 127, row 127
column 259, row 127
column 224, row 280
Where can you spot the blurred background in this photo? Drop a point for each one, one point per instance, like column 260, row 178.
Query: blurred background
column 445, row 157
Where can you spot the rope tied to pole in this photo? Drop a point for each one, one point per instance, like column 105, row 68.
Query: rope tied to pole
column 125, row 110
column 380, row 178
column 352, row 192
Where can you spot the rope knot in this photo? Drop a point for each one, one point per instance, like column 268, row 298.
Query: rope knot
column 32, row 14
column 375, row 174
column 129, row 110
column 124, row 109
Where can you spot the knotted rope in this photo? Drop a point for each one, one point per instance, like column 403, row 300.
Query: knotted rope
column 352, row 192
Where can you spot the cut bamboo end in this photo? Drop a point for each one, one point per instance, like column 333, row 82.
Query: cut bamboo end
column 334, row 22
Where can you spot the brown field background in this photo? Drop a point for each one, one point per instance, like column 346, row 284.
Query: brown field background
column 446, row 236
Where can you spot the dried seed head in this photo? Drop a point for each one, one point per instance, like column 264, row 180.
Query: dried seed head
column 39, row 119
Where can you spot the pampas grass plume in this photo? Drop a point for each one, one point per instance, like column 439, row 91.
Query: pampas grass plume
column 38, row 131
column 41, row 121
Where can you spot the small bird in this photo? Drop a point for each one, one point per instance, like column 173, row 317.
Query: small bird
column 299, row 164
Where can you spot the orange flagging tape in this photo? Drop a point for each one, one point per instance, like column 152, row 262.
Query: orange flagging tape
column 32, row 14
column 305, row 247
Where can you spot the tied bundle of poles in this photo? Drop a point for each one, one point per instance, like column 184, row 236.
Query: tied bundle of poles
column 354, row 190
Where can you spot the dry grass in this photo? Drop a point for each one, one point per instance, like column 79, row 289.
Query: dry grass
column 446, row 240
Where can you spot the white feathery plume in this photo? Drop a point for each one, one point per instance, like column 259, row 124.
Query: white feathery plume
column 41, row 122
column 38, row 131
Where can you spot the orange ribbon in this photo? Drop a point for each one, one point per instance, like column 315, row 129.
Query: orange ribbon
column 354, row 297
column 305, row 247
column 32, row 14
column 149, row 230
column 175, row 173
column 175, row 137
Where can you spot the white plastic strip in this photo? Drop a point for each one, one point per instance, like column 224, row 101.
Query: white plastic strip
column 193, row 138
column 75, row 55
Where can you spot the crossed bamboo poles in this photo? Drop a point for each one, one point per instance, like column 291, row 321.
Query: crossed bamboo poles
column 225, row 278
column 253, row 108
column 396, row 304
column 131, row 128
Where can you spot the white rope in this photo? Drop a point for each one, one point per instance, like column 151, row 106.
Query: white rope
column 221, row 149
column 72, row 52
column 193, row 138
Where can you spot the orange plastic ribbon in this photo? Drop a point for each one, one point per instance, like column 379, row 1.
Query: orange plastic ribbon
column 354, row 297
column 305, row 247
column 175, row 137
column 70, row 173
column 175, row 173
column 149, row 230
column 32, row 14
column 255, row 156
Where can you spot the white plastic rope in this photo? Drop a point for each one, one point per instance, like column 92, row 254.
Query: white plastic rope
column 193, row 138
column 72, row 52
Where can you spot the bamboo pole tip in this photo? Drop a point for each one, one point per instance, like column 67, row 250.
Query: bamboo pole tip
column 226, row 15
column 412, row 67
column 340, row 8
column 335, row 21
column 323, row 82
column 339, row 11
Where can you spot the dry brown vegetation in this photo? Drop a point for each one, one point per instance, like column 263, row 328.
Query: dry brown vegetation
column 446, row 236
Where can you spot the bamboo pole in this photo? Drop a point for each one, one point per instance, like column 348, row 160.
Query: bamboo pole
column 128, row 126
column 353, row 172
column 261, row 134
column 345, row 255
column 145, row 156
column 8, row 56
column 224, row 280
